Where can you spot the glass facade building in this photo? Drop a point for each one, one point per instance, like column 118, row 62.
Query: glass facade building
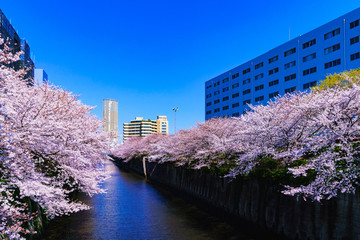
column 8, row 33
column 296, row 65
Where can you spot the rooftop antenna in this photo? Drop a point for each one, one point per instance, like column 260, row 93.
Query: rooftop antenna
column 289, row 33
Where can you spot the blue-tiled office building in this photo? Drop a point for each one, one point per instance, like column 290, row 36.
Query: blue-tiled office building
column 295, row 65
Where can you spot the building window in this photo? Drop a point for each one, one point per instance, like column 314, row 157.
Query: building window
column 258, row 99
column 216, row 101
column 225, row 98
column 354, row 24
column 235, row 75
column 208, row 112
column 235, row 114
column 246, row 102
column 217, row 84
column 309, row 57
column 332, row 49
column 216, row 110
column 290, row 64
column 259, row 65
column 289, row 52
column 235, row 105
column 355, row 56
column 235, row 95
column 209, row 86
column 332, row 34
column 259, row 76
column 309, row 71
column 275, row 82
column 217, row 92
column 290, row 90
column 225, row 80
column 272, row 71
column 309, row 43
column 274, row 94
column 247, row 91
column 208, row 104
column 208, row 95
column 273, row 59
column 246, row 81
column 257, row 88
column 226, row 89
column 290, row 77
column 309, row 85
column 332, row 63
column 235, row 85
column 354, row 40
column 225, row 107
column 246, row 71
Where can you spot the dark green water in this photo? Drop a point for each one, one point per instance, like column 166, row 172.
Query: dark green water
column 135, row 209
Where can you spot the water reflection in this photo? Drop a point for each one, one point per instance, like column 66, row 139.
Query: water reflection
column 134, row 209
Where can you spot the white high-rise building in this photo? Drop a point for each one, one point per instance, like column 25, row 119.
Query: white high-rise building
column 110, row 116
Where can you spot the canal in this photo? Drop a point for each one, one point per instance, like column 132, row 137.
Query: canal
column 135, row 209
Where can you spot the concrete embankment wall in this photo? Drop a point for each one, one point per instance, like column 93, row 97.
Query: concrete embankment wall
column 260, row 202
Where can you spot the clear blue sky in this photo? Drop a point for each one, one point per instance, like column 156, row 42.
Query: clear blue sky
column 154, row 55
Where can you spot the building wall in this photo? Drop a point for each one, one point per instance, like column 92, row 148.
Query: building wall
column 110, row 116
column 257, row 80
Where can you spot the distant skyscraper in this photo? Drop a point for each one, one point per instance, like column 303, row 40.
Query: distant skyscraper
column 41, row 76
column 144, row 127
column 110, row 116
column 8, row 33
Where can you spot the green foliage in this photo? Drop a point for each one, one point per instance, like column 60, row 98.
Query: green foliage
column 275, row 170
column 339, row 80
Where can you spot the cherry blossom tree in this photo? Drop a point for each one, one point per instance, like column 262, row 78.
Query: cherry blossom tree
column 50, row 146
column 310, row 132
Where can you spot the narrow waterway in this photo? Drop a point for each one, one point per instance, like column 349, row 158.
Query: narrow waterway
column 135, row 209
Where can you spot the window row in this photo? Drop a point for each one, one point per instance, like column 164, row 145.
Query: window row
column 354, row 24
column 261, row 98
column 332, row 49
column 332, row 34
column 235, row 75
column 309, row 85
column 332, row 63
column 309, row 71
column 259, row 65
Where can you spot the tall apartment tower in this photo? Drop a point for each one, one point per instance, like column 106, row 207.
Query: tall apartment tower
column 110, row 116
column 8, row 33
column 296, row 65
column 144, row 127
